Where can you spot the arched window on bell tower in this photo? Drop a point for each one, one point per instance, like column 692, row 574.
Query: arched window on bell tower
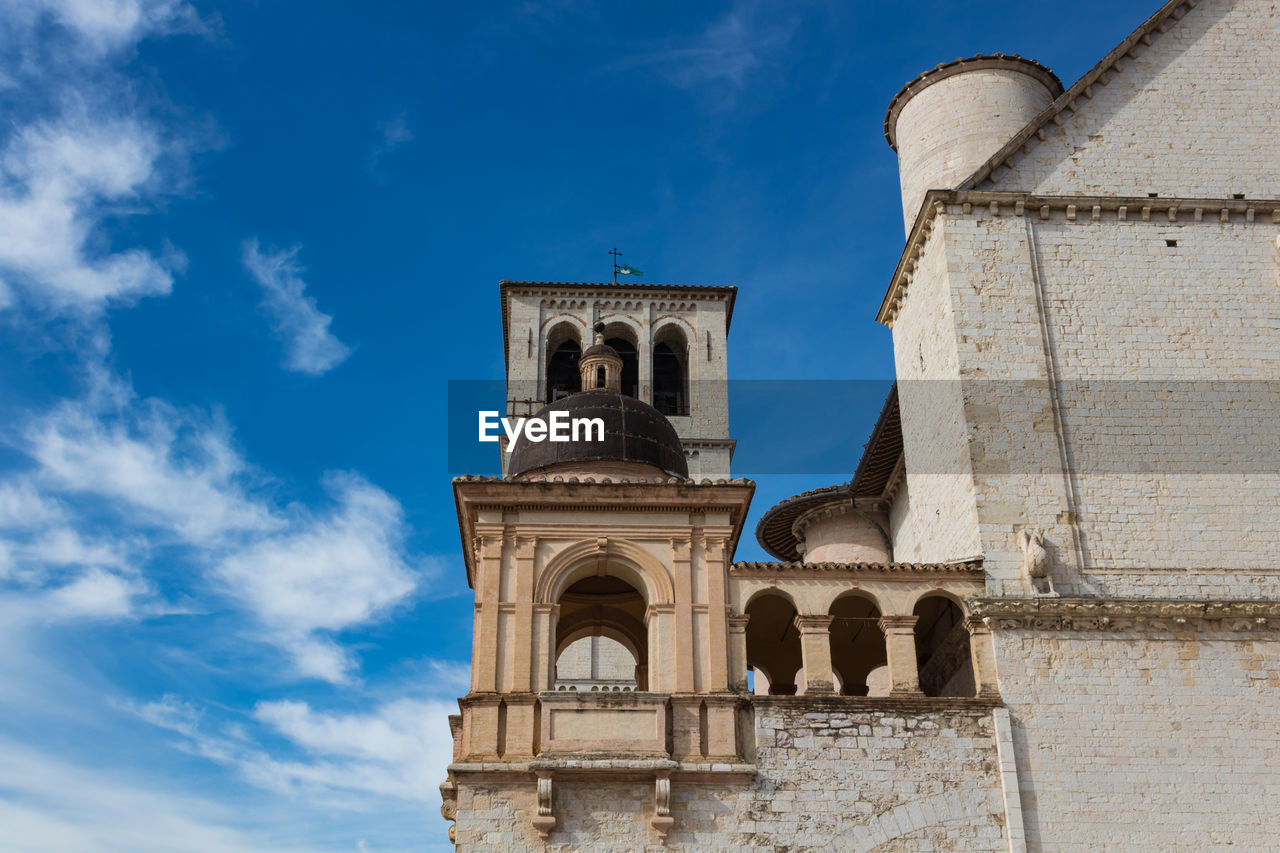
column 563, row 352
column 621, row 338
column 671, row 372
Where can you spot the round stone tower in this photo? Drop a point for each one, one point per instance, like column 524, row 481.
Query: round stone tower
column 948, row 121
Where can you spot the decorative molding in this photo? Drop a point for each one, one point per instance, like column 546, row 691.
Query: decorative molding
column 1125, row 614
column 972, row 568
column 1113, row 209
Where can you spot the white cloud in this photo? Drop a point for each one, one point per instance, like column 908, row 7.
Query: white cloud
column 102, row 26
column 51, row 806
column 331, row 759
column 310, row 346
column 325, row 574
column 58, row 180
column 95, row 594
column 166, row 476
column 720, row 61
column 162, row 466
column 400, row 750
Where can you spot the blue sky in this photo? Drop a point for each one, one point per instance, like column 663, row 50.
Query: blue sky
column 244, row 247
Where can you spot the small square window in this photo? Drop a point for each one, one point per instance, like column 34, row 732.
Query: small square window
column 1153, row 195
column 1172, row 244
column 1238, row 195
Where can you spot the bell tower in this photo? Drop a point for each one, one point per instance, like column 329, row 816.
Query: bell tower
column 671, row 340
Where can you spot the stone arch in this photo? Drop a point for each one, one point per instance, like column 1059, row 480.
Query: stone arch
column 669, row 353
column 942, row 592
column 562, row 347
column 857, row 641
column 944, row 659
column 621, row 558
column 610, row 622
column 767, row 590
column 773, row 641
column 622, row 333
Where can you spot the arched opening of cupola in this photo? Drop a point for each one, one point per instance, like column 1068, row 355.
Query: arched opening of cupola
column 943, row 659
column 601, row 638
column 563, row 351
column 773, row 644
column 623, row 341
column 857, row 645
column 671, row 372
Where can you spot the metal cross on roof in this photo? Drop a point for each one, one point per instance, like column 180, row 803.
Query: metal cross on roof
column 616, row 254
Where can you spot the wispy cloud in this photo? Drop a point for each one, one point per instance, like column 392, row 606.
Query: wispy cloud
column 310, row 346
column 54, row 806
column 332, row 759
column 393, row 134
column 325, row 574
column 79, row 153
column 58, row 180
column 719, row 63
column 157, row 475
column 100, row 27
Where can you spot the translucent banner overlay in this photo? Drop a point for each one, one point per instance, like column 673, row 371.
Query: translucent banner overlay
column 983, row 427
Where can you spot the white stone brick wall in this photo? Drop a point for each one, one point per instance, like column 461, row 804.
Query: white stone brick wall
column 949, row 129
column 934, row 516
column 1135, row 742
column 1166, row 362
column 1192, row 115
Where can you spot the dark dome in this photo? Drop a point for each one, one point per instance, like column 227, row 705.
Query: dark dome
column 601, row 349
column 634, row 431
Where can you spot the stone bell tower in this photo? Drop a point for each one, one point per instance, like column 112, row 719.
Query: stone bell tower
column 601, row 666
column 672, row 340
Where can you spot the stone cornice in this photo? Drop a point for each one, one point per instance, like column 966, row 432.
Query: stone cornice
column 1125, row 614
column 1061, row 208
column 770, row 569
column 473, row 495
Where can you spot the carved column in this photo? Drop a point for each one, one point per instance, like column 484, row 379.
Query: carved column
column 982, row 650
column 900, row 645
column 738, row 652
column 815, row 649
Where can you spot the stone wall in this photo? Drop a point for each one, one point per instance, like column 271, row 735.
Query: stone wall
column 1191, row 115
column 834, row 775
column 934, row 516
column 1165, row 360
column 1132, row 741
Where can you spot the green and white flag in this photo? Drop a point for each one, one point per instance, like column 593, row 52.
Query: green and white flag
column 626, row 269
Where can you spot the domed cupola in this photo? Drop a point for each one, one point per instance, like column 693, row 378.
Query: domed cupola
column 637, row 442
